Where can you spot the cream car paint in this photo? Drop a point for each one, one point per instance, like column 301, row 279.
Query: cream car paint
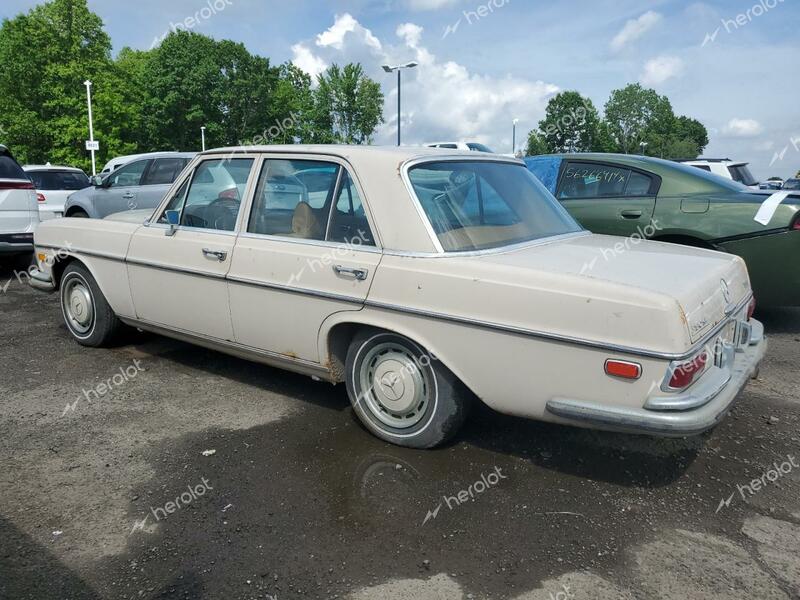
column 521, row 326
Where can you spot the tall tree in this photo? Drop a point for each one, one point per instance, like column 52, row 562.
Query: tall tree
column 635, row 114
column 536, row 144
column 349, row 103
column 570, row 124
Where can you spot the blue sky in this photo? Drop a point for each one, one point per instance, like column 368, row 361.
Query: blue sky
column 504, row 60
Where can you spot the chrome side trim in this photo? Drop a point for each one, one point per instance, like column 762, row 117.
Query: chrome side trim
column 491, row 251
column 185, row 271
column 281, row 361
column 306, row 242
column 73, row 251
column 294, row 290
column 556, row 337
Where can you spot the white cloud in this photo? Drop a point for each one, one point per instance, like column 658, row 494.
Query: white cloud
column 442, row 100
column 660, row 69
column 304, row 59
column 744, row 128
column 634, row 29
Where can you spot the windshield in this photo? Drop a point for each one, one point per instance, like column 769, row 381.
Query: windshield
column 792, row 184
column 742, row 174
column 475, row 147
column 59, row 180
column 475, row 205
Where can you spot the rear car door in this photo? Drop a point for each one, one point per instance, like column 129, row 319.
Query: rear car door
column 178, row 281
column 607, row 198
column 308, row 252
column 120, row 189
column 157, row 181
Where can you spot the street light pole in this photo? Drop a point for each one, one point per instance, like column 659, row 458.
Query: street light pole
column 203, row 137
column 88, row 85
column 514, row 137
column 398, row 68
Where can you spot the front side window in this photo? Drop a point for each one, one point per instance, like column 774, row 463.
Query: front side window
column 175, row 202
column 214, row 195
column 475, row 205
column 129, row 175
column 164, row 171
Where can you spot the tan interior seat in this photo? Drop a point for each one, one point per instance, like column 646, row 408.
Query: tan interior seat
column 306, row 224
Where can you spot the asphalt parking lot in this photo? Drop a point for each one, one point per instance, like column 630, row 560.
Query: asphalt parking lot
column 157, row 469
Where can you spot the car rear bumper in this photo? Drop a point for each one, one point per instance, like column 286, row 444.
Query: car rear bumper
column 709, row 400
column 15, row 243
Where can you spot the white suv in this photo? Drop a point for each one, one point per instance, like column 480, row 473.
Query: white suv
column 19, row 210
column 727, row 168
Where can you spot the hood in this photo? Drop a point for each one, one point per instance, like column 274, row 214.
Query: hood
column 636, row 273
column 137, row 216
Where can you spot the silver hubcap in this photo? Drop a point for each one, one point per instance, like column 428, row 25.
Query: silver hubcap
column 394, row 389
column 78, row 306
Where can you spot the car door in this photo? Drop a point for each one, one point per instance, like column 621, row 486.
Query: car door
column 607, row 198
column 157, row 181
column 178, row 280
column 120, row 189
column 308, row 252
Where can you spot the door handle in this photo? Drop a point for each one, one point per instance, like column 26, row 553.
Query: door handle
column 631, row 214
column 360, row 274
column 218, row 254
column 127, row 195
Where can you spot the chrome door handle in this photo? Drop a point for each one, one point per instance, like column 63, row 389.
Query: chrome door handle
column 360, row 274
column 218, row 254
column 127, row 195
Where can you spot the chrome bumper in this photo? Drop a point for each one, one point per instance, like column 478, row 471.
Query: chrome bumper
column 41, row 281
column 702, row 407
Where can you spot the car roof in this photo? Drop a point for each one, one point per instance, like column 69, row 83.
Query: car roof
column 51, row 168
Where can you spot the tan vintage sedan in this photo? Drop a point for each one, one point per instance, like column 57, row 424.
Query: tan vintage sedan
column 422, row 279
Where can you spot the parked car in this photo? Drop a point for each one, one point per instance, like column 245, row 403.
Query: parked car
column 465, row 146
column 771, row 184
column 791, row 184
column 727, row 168
column 53, row 187
column 422, row 280
column 118, row 161
column 141, row 183
column 19, row 210
column 667, row 201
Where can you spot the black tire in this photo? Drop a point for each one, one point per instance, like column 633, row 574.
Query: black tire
column 78, row 214
column 86, row 312
column 412, row 399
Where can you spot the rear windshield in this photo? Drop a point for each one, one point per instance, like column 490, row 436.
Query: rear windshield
column 475, row 205
column 9, row 169
column 59, row 180
column 742, row 174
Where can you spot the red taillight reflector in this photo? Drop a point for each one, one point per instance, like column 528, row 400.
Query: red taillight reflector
column 230, row 194
column 16, row 185
column 623, row 369
column 40, row 197
column 751, row 308
column 796, row 225
column 685, row 373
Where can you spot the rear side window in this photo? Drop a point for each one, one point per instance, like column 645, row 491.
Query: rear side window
column 9, row 169
column 702, row 167
column 587, row 180
column 349, row 224
column 164, row 171
column 59, row 180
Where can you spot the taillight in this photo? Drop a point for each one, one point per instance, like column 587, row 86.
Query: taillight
column 623, row 369
column 684, row 374
column 16, row 185
column 751, row 308
column 40, row 197
column 796, row 224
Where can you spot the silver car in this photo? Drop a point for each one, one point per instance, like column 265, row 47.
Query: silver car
column 141, row 183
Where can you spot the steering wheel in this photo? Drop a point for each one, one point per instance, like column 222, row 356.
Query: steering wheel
column 221, row 214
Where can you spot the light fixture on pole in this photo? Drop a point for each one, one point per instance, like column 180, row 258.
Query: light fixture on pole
column 642, row 146
column 398, row 68
column 514, row 136
column 91, row 145
column 203, row 137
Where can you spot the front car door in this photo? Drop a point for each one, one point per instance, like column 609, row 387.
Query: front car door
column 606, row 198
column 178, row 281
column 120, row 189
column 308, row 251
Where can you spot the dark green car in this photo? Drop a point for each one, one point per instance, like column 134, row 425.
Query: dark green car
column 618, row 194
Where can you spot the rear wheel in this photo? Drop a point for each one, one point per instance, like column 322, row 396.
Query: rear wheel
column 87, row 314
column 78, row 214
column 401, row 393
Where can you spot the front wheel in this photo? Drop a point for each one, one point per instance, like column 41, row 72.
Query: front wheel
column 401, row 393
column 87, row 314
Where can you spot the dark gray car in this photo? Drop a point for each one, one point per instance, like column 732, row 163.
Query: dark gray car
column 141, row 183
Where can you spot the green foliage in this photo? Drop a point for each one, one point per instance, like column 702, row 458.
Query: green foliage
column 570, row 124
column 536, row 144
column 348, row 104
column 160, row 98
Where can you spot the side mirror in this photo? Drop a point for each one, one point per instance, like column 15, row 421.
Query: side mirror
column 173, row 219
column 97, row 180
